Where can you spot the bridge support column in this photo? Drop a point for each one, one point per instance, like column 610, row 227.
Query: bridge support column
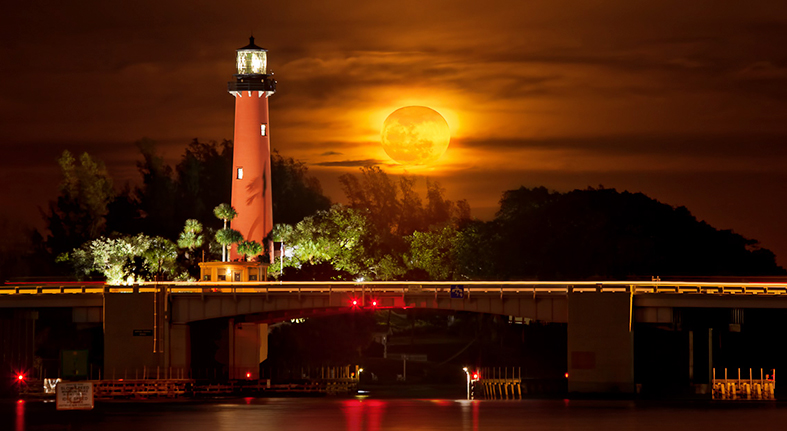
column 179, row 347
column 134, row 330
column 600, row 343
column 248, row 347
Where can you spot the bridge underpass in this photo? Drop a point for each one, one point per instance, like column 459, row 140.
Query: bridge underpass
column 600, row 316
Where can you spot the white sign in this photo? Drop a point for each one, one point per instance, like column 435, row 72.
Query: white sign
column 75, row 395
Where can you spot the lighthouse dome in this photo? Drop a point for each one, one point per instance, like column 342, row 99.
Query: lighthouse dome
column 251, row 59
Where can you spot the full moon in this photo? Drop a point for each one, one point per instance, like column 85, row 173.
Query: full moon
column 415, row 135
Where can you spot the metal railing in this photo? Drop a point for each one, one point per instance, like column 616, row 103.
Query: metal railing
column 751, row 388
column 412, row 287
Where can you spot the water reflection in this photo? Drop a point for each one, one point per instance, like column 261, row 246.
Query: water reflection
column 20, row 415
column 356, row 410
column 469, row 415
column 327, row 414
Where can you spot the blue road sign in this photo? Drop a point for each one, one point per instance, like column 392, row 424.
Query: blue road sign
column 457, row 291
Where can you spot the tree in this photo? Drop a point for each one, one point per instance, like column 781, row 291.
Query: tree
column 397, row 209
column 376, row 193
column 341, row 236
column 157, row 195
column 434, row 251
column 438, row 209
column 249, row 248
column 602, row 233
column 204, row 179
column 296, row 194
column 191, row 237
column 79, row 213
column 226, row 237
column 160, row 257
column 124, row 260
column 225, row 213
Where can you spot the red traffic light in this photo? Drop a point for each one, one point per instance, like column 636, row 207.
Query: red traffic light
column 20, row 377
column 374, row 303
column 355, row 302
column 248, row 375
column 475, row 376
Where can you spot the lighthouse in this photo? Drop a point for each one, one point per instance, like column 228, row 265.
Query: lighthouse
column 251, row 173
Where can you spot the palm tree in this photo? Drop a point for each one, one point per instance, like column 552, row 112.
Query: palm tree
column 225, row 212
column 190, row 238
column 249, row 248
column 226, row 237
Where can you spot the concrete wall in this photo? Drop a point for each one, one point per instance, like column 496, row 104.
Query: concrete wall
column 127, row 355
column 179, row 343
column 248, row 348
column 600, row 343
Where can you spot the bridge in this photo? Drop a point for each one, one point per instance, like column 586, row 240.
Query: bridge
column 148, row 325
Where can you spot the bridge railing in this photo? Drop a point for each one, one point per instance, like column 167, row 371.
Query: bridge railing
column 467, row 288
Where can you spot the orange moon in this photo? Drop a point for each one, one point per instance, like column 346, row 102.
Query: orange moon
column 415, row 135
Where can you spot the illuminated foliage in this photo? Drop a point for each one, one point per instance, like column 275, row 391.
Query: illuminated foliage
column 225, row 213
column 249, row 248
column 160, row 256
column 434, row 252
column 126, row 259
column 338, row 236
column 226, row 237
column 191, row 237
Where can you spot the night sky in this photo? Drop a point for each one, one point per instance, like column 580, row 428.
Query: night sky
column 683, row 101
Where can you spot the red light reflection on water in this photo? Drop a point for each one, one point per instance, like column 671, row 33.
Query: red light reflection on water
column 355, row 410
column 475, row 416
column 20, row 415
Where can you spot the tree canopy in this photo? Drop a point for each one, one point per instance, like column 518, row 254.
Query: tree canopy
column 535, row 235
column 79, row 213
column 88, row 206
column 603, row 233
column 383, row 233
column 387, row 230
column 125, row 259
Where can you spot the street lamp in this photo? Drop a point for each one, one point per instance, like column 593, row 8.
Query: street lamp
column 467, row 373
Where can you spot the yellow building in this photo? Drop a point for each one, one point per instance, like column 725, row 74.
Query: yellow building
column 233, row 271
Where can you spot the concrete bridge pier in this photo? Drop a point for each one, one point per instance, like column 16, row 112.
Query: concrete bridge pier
column 135, row 334
column 141, row 340
column 248, row 347
column 600, row 342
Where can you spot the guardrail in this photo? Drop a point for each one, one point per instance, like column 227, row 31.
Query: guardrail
column 413, row 287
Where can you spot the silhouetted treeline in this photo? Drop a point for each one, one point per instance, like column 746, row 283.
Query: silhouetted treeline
column 604, row 234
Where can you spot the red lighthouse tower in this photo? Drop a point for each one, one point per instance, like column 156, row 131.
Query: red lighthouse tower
column 251, row 175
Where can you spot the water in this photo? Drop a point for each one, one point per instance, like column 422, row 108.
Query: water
column 295, row 414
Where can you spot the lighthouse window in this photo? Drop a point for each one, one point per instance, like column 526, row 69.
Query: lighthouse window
column 264, row 129
column 239, row 174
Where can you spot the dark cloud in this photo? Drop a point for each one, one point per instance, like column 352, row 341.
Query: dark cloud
column 352, row 163
column 752, row 146
column 331, row 153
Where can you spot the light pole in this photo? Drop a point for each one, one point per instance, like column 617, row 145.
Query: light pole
column 467, row 373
